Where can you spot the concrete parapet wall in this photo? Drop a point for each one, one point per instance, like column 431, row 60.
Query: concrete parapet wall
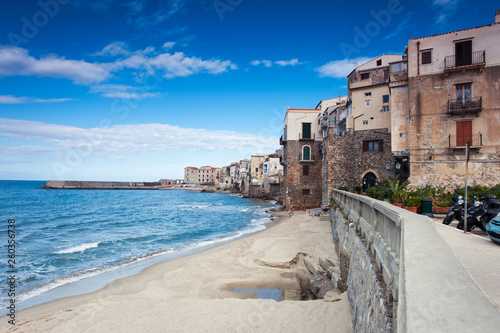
column 408, row 265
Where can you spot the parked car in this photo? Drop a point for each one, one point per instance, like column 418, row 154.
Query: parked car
column 493, row 229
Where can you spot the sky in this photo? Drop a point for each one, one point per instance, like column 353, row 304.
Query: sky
column 136, row 90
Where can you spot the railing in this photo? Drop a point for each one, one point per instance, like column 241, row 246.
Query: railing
column 459, row 105
column 311, row 137
column 460, row 141
column 478, row 57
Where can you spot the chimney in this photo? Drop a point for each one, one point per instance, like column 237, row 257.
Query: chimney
column 497, row 16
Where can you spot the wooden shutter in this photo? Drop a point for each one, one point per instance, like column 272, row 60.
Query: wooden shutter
column 464, row 132
column 365, row 145
column 306, row 130
column 381, row 145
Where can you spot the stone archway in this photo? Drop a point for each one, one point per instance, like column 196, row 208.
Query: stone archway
column 369, row 178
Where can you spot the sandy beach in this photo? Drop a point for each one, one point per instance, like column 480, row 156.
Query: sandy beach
column 196, row 293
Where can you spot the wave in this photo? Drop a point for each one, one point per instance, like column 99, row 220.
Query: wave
column 79, row 248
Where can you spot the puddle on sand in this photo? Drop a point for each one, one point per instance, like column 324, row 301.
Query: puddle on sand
column 279, row 294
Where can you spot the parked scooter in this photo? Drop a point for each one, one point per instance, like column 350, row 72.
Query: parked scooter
column 474, row 212
column 456, row 211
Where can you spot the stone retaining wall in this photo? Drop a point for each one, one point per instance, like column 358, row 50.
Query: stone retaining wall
column 395, row 265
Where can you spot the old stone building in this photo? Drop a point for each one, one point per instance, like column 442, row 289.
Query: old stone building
column 454, row 98
column 302, row 159
column 206, row 175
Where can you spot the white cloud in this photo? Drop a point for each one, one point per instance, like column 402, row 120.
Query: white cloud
column 168, row 45
column 340, row 68
column 16, row 61
column 114, row 49
column 282, row 63
column 121, row 91
column 9, row 99
column 123, row 140
column 445, row 9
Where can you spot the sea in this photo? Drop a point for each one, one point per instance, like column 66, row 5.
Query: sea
column 70, row 242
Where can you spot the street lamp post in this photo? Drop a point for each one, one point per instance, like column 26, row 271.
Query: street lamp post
column 354, row 150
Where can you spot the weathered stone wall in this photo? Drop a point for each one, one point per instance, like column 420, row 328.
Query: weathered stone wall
column 73, row 184
column 338, row 165
column 382, row 245
column 370, row 308
column 295, row 183
column 430, row 127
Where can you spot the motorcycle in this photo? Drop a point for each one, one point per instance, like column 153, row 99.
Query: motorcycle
column 456, row 211
column 493, row 229
column 474, row 213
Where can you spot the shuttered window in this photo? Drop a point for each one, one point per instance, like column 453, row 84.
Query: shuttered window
column 373, row 145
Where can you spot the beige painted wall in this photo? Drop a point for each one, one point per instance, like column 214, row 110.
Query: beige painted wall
column 294, row 119
column 374, row 114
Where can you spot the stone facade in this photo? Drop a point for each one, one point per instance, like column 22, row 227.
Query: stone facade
column 338, row 156
column 302, row 191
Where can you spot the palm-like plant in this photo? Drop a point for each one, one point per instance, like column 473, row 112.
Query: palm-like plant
column 398, row 189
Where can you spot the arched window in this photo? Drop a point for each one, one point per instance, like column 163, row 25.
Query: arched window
column 306, row 153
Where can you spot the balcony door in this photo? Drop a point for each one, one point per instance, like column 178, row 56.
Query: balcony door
column 463, row 94
column 463, row 53
column 464, row 132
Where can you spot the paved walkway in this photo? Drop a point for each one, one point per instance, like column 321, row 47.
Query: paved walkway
column 477, row 253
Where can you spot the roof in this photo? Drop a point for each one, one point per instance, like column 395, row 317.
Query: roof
column 451, row 32
column 192, row 168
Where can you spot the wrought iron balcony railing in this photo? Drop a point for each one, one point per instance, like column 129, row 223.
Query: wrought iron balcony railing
column 312, row 136
column 310, row 158
column 461, row 106
column 477, row 58
column 460, row 141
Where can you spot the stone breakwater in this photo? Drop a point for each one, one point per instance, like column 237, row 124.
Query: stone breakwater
column 371, row 306
column 97, row 185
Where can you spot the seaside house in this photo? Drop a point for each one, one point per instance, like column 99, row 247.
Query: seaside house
column 191, row 175
column 206, row 175
column 301, row 160
column 272, row 177
column 454, row 98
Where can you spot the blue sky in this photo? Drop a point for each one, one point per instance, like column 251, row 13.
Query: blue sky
column 137, row 90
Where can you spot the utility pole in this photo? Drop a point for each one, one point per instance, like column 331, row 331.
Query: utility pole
column 467, row 153
column 354, row 149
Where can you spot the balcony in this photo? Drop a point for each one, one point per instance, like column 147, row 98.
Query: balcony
column 311, row 137
column 282, row 141
column 460, row 141
column 461, row 108
column 476, row 60
column 282, row 160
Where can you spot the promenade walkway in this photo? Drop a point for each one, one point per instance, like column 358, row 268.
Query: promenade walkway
column 477, row 253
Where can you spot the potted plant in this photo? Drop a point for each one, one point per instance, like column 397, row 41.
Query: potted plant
column 412, row 203
column 399, row 191
column 357, row 189
column 443, row 202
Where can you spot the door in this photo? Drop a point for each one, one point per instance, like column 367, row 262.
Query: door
column 464, row 132
column 369, row 180
column 463, row 53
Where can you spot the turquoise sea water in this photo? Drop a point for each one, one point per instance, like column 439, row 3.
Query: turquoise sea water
column 63, row 236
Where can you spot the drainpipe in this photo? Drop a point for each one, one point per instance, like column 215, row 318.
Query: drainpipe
column 418, row 57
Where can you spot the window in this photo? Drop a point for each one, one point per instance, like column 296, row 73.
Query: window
column 385, row 108
column 373, row 145
column 368, row 94
column 364, row 76
column 379, row 62
column 306, row 130
column 365, row 122
column 385, row 99
column 305, row 170
column 367, row 103
column 463, row 53
column 306, row 153
column 463, row 93
column 426, row 56
column 256, row 169
column 306, row 191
